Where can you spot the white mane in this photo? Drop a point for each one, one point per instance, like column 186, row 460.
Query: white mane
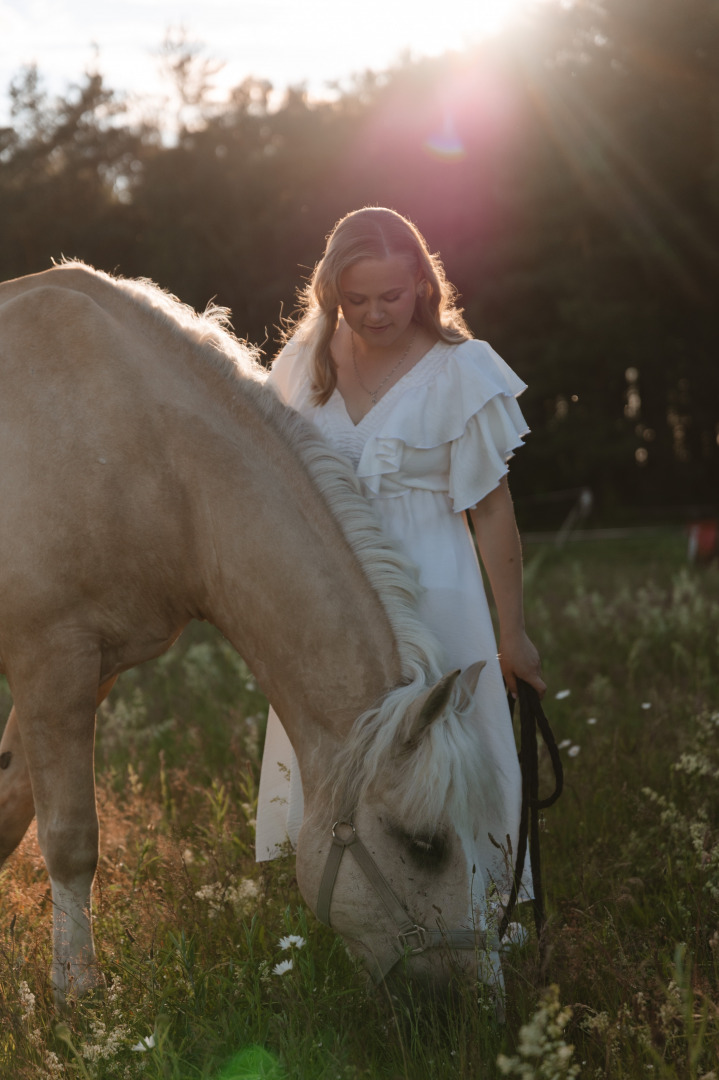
column 210, row 330
column 445, row 770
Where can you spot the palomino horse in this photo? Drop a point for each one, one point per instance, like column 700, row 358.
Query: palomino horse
column 150, row 478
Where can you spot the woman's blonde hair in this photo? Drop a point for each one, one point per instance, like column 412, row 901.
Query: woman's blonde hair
column 371, row 233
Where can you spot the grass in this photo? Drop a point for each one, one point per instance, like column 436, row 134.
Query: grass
column 190, row 929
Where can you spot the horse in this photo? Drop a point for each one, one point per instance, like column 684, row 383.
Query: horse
column 149, row 478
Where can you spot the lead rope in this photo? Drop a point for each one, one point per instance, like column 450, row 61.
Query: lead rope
column 531, row 717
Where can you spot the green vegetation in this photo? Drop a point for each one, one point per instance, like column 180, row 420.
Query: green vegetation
column 190, row 929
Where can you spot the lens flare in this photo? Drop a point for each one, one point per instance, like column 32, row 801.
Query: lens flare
column 252, row 1063
column 446, row 144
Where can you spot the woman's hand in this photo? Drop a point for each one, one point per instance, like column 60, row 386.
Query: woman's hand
column 519, row 659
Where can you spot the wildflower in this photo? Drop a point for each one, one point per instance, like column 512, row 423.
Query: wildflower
column 646, row 704
column 103, row 1044
column 292, row 940
column 592, row 720
column 54, row 1068
column 542, row 1049
column 565, row 743
column 283, row 967
column 27, row 999
column 243, row 894
column 144, row 1045
column 240, row 895
column 573, row 751
column 562, row 694
column 597, row 1022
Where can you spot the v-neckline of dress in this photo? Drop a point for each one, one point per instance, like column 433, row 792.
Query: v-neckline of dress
column 374, row 410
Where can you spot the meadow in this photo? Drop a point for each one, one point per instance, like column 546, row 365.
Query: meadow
column 217, row 971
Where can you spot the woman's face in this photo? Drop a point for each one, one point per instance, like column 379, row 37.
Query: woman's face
column 378, row 299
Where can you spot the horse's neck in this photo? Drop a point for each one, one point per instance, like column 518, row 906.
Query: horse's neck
column 266, row 560
column 286, row 589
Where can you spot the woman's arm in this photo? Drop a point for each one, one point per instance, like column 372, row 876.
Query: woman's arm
column 498, row 541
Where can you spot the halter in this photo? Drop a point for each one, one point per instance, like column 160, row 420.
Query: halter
column 412, row 938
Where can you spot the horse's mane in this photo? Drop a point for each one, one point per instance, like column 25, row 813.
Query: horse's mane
column 210, row 330
column 446, row 765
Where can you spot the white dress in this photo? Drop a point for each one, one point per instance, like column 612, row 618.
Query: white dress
column 431, row 448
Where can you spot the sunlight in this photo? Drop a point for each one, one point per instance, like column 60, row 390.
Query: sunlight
column 315, row 44
column 424, row 27
column 457, row 23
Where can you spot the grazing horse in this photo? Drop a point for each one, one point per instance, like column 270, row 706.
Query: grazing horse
column 149, row 478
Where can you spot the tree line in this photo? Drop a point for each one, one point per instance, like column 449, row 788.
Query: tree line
column 567, row 171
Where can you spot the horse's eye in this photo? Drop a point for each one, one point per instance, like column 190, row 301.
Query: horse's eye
column 423, row 845
column 427, row 850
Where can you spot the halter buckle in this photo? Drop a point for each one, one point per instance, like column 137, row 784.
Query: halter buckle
column 417, row 931
column 341, row 840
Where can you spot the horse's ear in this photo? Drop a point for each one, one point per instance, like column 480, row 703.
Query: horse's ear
column 470, row 677
column 428, row 708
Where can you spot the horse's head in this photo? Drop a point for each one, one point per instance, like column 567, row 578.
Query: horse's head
column 389, row 854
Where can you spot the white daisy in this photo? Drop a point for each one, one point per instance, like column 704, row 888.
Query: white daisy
column 144, row 1044
column 292, row 941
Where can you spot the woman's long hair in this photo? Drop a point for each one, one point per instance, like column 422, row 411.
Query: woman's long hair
column 371, row 233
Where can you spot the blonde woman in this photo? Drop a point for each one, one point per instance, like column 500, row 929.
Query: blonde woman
column 382, row 362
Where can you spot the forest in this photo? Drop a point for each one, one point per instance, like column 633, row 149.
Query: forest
column 567, row 171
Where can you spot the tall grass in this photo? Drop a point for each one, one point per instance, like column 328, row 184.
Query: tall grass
column 196, row 939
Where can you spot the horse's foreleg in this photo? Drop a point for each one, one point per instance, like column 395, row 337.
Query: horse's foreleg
column 17, row 807
column 56, row 719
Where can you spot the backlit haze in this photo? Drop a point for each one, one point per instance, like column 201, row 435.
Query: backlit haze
column 313, row 43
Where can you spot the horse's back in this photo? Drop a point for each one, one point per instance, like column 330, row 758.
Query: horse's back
column 91, row 498
column 51, row 315
column 137, row 446
column 73, row 393
column 67, row 320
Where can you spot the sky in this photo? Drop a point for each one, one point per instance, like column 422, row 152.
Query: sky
column 288, row 42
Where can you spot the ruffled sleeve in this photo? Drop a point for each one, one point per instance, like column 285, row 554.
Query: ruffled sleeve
column 478, row 459
column 454, row 431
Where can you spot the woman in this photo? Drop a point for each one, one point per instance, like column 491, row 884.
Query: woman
column 383, row 364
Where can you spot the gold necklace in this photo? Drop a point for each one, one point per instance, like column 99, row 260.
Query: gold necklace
column 374, row 394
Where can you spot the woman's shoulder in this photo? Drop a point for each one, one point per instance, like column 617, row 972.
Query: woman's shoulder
column 477, row 365
column 462, row 377
column 288, row 374
column 294, row 349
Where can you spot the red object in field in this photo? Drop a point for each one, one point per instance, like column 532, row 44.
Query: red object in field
column 703, row 540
